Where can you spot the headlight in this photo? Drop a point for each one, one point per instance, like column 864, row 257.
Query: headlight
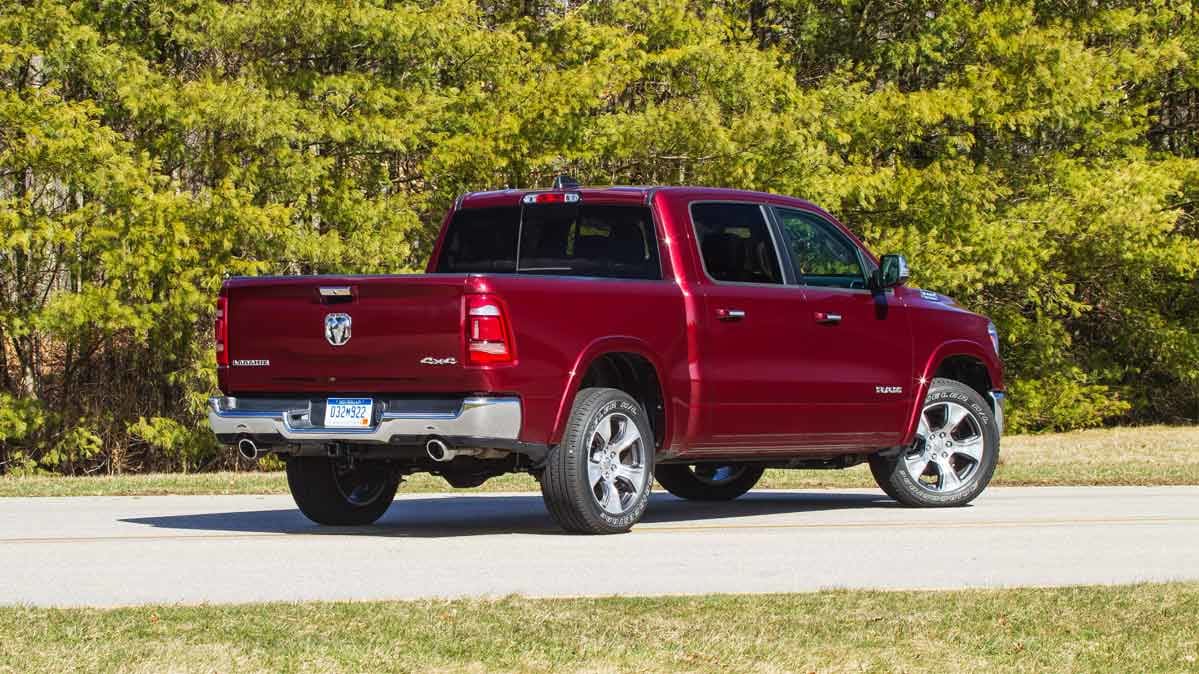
column 994, row 333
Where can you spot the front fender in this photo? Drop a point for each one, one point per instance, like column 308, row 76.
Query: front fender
column 956, row 347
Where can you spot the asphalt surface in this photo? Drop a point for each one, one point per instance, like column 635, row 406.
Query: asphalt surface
column 105, row 551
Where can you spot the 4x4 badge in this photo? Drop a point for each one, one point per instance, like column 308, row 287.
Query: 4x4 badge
column 337, row 329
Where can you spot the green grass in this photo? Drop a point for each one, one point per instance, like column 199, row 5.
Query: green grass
column 1142, row 628
column 1152, row 455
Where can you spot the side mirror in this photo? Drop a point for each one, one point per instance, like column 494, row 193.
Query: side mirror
column 892, row 271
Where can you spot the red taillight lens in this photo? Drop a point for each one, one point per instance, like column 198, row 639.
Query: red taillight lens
column 488, row 339
column 552, row 198
column 221, row 331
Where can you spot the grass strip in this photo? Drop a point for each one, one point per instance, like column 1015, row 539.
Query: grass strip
column 1141, row 628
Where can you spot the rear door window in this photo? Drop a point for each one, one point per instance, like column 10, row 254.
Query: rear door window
column 735, row 243
column 554, row 239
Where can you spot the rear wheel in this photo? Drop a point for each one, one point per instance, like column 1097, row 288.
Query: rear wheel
column 340, row 492
column 954, row 454
column 598, row 479
column 708, row 481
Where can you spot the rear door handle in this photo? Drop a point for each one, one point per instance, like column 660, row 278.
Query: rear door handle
column 827, row 319
column 730, row 314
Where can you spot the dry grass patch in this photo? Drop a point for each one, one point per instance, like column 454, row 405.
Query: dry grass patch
column 1142, row 628
column 1151, row 455
column 148, row 484
column 1142, row 455
column 249, row 482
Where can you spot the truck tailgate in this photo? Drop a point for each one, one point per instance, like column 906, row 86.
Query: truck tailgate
column 401, row 334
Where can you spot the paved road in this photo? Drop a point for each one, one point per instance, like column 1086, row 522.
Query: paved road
column 168, row 549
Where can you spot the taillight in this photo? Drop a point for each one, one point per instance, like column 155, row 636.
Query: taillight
column 221, row 330
column 488, row 338
column 551, row 198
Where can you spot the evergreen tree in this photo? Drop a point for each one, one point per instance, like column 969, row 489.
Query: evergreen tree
column 1038, row 161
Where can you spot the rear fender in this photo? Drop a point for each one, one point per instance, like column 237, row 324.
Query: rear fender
column 593, row 351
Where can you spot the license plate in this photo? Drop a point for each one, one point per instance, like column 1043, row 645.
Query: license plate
column 348, row 412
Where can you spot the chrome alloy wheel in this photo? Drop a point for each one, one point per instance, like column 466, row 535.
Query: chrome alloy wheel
column 948, row 449
column 616, row 463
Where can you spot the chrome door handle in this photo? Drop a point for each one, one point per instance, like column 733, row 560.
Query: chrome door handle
column 730, row 314
column 827, row 319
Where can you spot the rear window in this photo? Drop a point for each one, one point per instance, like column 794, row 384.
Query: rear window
column 481, row 240
column 558, row 239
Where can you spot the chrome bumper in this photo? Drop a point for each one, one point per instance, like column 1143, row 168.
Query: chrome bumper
column 476, row 417
column 997, row 403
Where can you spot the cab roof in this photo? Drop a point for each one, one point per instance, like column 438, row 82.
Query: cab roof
column 626, row 194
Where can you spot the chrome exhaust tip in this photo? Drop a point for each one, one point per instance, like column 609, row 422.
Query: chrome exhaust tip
column 438, row 451
column 247, row 449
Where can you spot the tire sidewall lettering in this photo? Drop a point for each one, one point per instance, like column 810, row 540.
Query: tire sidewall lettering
column 980, row 411
column 632, row 410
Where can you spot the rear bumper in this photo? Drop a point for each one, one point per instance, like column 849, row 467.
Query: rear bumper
column 291, row 420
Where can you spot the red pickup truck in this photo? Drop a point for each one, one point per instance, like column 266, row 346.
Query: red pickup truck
column 599, row 338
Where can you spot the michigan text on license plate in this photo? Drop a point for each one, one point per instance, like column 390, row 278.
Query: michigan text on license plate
column 348, row 412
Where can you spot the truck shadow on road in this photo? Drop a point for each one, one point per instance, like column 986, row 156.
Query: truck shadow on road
column 453, row 516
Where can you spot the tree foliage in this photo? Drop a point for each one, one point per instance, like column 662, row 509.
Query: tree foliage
column 1037, row 160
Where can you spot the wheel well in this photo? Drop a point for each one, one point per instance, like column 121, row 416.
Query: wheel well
column 636, row 376
column 968, row 370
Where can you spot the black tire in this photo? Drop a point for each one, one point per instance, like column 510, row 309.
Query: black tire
column 330, row 491
column 569, row 495
column 892, row 474
column 694, row 483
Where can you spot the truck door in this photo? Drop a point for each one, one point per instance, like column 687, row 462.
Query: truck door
column 750, row 322
column 854, row 372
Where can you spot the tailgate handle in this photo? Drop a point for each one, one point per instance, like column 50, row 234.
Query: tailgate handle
column 336, row 294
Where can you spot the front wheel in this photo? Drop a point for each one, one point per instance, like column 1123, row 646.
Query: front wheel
column 597, row 481
column 954, row 454
column 708, row 481
column 340, row 492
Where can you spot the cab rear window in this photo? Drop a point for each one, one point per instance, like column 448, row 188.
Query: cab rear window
column 481, row 240
column 553, row 239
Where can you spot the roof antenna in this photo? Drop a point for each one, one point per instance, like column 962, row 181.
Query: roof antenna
column 565, row 182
